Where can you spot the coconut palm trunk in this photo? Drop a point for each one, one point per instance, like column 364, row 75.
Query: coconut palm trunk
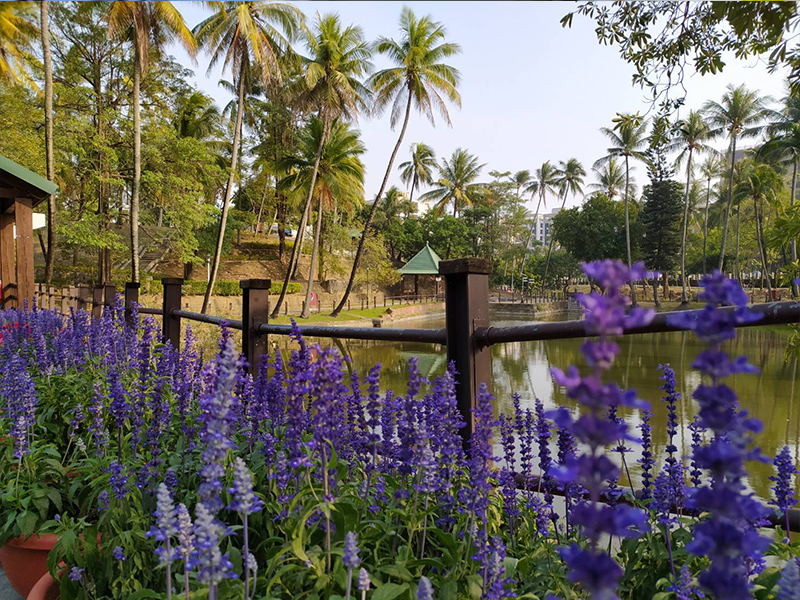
column 726, row 216
column 531, row 233
column 684, row 294
column 793, row 245
column 371, row 214
column 628, row 224
column 294, row 259
column 50, row 255
column 137, row 165
column 762, row 248
column 312, row 267
column 226, row 202
column 550, row 246
column 705, row 228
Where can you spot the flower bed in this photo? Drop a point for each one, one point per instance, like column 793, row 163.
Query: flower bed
column 165, row 472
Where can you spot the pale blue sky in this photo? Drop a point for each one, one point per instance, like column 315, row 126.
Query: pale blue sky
column 531, row 90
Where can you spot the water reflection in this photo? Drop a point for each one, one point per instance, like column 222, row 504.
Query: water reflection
column 523, row 367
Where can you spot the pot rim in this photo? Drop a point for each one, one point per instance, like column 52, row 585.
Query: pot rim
column 35, row 541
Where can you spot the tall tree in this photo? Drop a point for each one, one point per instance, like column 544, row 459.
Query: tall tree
column 148, row 24
column 16, row 34
column 712, row 168
column 418, row 79
column 689, row 137
column 520, row 179
column 545, row 180
column 419, row 169
column 570, row 181
column 629, row 140
column 611, row 179
column 456, row 181
column 736, row 116
column 660, row 217
column 784, row 144
column 339, row 58
column 336, row 173
column 50, row 254
column 249, row 37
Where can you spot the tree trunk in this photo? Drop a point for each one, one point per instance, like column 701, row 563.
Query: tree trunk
column 794, row 241
column 50, row 254
column 531, row 233
column 137, row 165
column 281, row 218
column 762, row 249
column 226, row 202
column 655, row 293
column 628, row 225
column 261, row 207
column 160, row 221
column 314, row 253
column 727, row 206
column 371, row 213
column 684, row 294
column 738, row 230
column 550, row 246
column 411, row 194
column 299, row 239
column 705, row 227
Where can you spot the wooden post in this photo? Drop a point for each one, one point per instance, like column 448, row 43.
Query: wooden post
column 23, row 219
column 8, row 264
column 97, row 301
column 51, row 297
column 171, row 328
column 467, row 308
column 84, row 297
column 109, row 295
column 131, row 298
column 66, row 297
column 255, row 311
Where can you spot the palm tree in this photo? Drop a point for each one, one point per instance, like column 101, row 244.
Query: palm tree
column 611, row 179
column 629, row 140
column 570, row 181
column 712, row 168
column 147, row 24
column 760, row 183
column 456, row 181
column 545, row 179
column 336, row 172
column 197, row 117
column 736, row 116
column 332, row 86
column 520, row 179
column 16, row 33
column 248, row 37
column 418, row 170
column 419, row 79
column 784, row 144
column 689, row 136
column 50, row 254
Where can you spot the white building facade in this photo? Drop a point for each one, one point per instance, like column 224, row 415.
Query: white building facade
column 542, row 226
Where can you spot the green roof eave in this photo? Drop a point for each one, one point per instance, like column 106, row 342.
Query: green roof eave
column 424, row 262
column 35, row 184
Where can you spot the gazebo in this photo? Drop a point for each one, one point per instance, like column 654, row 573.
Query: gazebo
column 424, row 262
column 21, row 190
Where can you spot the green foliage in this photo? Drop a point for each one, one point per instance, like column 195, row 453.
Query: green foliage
column 595, row 230
column 221, row 288
column 661, row 217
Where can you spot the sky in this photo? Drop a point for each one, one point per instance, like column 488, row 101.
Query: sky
column 531, row 90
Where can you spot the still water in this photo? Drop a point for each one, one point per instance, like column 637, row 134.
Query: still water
column 523, row 367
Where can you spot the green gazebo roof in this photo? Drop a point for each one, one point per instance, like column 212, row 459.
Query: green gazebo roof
column 17, row 181
column 424, row 262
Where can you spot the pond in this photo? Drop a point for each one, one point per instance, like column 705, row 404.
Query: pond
column 523, row 367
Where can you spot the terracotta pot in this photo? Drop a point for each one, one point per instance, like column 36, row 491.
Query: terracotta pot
column 46, row 588
column 25, row 560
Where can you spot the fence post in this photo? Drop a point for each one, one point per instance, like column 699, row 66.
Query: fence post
column 84, row 297
column 97, row 301
column 171, row 328
column 131, row 298
column 255, row 311
column 467, row 308
column 65, row 298
column 109, row 294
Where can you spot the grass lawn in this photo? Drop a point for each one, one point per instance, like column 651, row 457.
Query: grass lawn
column 347, row 315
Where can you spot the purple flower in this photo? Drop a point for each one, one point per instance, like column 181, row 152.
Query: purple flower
column 350, row 557
column 76, row 573
column 595, row 570
column 165, row 526
column 119, row 553
column 646, row 461
column 497, row 583
column 684, row 588
column 697, row 440
column 783, row 488
column 424, row 589
column 363, row 580
column 118, row 480
column 102, row 501
column 185, row 534
column 212, row 566
column 789, row 584
column 243, row 500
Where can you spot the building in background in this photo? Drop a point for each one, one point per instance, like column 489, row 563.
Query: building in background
column 541, row 228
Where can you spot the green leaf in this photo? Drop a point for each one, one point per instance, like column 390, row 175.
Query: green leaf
column 27, row 522
column 389, row 591
column 475, row 583
column 143, row 594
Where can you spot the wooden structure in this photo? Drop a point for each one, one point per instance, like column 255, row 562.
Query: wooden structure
column 425, row 263
column 21, row 190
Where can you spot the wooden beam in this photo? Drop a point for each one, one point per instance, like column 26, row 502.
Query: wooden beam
column 24, row 222
column 8, row 265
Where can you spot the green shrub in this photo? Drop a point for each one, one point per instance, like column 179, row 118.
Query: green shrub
column 221, row 288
